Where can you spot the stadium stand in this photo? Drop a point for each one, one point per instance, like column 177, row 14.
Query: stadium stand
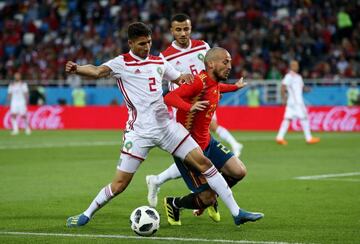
column 37, row 37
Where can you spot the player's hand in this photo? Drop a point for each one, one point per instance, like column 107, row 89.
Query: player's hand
column 240, row 83
column 199, row 106
column 186, row 79
column 71, row 67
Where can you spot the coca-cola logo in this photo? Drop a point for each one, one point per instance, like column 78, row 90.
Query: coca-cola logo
column 335, row 119
column 45, row 117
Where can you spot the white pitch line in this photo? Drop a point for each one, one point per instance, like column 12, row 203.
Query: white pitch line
column 142, row 238
column 346, row 179
column 317, row 177
column 64, row 144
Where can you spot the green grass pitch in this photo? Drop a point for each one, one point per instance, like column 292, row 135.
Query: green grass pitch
column 50, row 175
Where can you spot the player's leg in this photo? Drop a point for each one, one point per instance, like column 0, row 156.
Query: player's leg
column 305, row 124
column 26, row 120
column 133, row 153
column 225, row 135
column 200, row 200
column 14, row 124
column 233, row 172
column 196, row 183
column 232, row 168
column 219, row 185
column 155, row 181
column 284, row 126
column 188, row 150
column 118, row 185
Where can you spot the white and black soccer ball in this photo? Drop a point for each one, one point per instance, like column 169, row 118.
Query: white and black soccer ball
column 145, row 221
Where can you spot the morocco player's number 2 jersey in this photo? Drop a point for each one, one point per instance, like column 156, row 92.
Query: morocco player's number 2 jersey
column 188, row 60
column 140, row 82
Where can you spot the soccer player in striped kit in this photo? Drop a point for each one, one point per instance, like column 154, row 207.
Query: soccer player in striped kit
column 18, row 94
column 293, row 86
column 139, row 76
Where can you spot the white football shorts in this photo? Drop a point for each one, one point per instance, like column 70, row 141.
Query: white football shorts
column 174, row 139
column 18, row 109
column 295, row 111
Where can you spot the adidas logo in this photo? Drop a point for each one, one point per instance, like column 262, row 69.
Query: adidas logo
column 178, row 63
column 137, row 71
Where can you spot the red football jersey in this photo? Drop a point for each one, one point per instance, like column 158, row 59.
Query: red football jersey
column 203, row 88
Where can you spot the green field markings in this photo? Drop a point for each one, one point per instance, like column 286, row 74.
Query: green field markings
column 337, row 177
column 37, row 141
column 60, row 144
column 196, row 240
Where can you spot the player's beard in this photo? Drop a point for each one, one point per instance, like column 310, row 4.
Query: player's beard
column 219, row 77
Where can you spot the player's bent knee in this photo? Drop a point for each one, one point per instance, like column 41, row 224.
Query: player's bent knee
column 197, row 159
column 240, row 174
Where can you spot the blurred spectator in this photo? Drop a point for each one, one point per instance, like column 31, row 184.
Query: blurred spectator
column 114, row 102
column 79, row 96
column 273, row 73
column 37, row 95
column 62, row 102
column 253, row 96
column 38, row 36
column 73, row 80
column 352, row 95
column 344, row 23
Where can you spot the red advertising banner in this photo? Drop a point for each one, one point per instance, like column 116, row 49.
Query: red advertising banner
column 340, row 118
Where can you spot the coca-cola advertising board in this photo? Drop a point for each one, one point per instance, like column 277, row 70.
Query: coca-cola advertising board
column 339, row 118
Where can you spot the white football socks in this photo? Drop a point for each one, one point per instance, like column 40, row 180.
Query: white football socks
column 219, row 185
column 27, row 126
column 15, row 125
column 100, row 200
column 283, row 129
column 225, row 135
column 170, row 173
column 306, row 128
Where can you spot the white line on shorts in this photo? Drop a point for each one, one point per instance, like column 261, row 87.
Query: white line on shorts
column 141, row 238
column 319, row 177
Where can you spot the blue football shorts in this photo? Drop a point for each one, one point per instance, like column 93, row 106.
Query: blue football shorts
column 196, row 182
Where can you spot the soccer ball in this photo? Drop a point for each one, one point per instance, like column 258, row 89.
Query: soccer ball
column 145, row 221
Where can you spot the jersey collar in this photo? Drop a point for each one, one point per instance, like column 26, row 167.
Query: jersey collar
column 179, row 48
column 137, row 58
column 209, row 81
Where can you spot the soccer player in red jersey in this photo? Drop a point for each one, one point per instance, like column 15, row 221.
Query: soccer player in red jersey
column 196, row 104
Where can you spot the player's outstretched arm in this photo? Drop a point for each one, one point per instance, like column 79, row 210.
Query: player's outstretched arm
column 232, row 87
column 240, row 83
column 87, row 70
column 283, row 94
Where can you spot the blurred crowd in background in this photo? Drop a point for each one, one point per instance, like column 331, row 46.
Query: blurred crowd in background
column 38, row 37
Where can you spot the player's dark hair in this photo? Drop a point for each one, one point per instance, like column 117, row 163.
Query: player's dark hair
column 138, row 29
column 180, row 17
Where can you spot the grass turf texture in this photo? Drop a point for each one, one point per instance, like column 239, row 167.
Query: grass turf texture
column 51, row 175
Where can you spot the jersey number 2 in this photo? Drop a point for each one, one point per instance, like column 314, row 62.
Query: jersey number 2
column 152, row 84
